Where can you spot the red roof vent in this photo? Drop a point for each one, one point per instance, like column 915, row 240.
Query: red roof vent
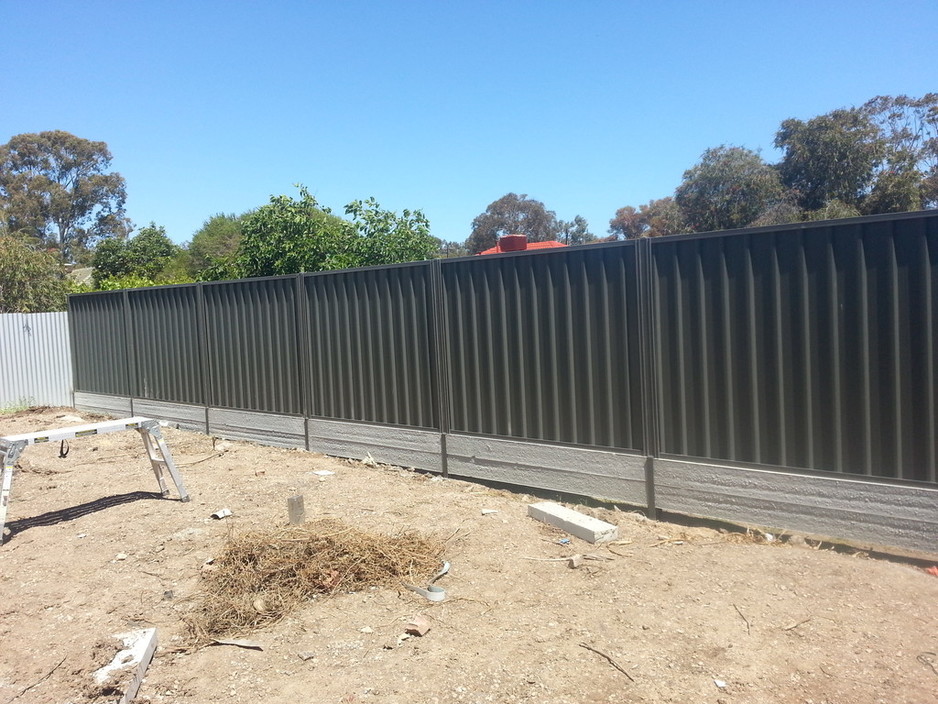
column 513, row 243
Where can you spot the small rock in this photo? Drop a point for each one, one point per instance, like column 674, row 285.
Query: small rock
column 82, row 535
column 306, row 655
column 575, row 561
column 366, row 629
column 168, row 594
column 120, row 556
column 797, row 541
column 418, row 626
column 186, row 534
column 392, row 644
column 720, row 684
column 68, row 418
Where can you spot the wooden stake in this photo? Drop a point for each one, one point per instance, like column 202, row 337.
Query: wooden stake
column 296, row 510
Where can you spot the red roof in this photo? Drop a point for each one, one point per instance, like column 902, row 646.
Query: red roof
column 530, row 245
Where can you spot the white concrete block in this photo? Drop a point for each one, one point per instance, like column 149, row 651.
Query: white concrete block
column 590, row 529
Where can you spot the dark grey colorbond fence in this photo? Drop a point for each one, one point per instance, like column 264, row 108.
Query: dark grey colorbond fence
column 809, row 347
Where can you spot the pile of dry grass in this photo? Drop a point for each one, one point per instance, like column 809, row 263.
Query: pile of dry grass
column 261, row 576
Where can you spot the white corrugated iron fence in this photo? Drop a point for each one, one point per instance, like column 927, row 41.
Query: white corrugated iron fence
column 35, row 360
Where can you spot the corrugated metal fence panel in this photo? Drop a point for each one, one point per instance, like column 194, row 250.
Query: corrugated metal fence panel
column 806, row 348
column 166, row 332
column 35, row 360
column 99, row 343
column 252, row 345
column 545, row 345
column 372, row 353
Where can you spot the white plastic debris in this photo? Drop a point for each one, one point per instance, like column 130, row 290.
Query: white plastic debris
column 136, row 647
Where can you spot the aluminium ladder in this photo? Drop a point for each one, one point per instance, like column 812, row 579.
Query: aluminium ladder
column 12, row 446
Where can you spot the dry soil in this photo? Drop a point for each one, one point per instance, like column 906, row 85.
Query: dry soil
column 691, row 614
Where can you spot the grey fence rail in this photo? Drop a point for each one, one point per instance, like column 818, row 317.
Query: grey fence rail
column 653, row 371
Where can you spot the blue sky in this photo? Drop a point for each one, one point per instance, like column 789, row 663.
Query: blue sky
column 212, row 106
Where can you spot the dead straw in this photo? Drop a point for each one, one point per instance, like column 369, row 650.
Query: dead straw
column 261, row 576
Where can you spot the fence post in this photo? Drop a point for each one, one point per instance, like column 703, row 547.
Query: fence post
column 649, row 366
column 440, row 333
column 72, row 351
column 201, row 324
column 133, row 373
column 303, row 358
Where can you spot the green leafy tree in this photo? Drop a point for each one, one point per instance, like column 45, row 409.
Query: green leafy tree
column 780, row 213
column 31, row 280
column 115, row 283
column 575, row 232
column 384, row 237
column 110, row 260
column 178, row 268
column 730, row 187
column 57, row 188
column 142, row 257
column 512, row 214
column 654, row 219
column 215, row 245
column 909, row 129
column 832, row 210
column 150, row 250
column 930, row 190
column 288, row 236
column 896, row 190
column 448, row 250
column 628, row 223
column 830, row 157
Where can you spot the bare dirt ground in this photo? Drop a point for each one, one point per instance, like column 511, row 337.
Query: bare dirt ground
column 691, row 614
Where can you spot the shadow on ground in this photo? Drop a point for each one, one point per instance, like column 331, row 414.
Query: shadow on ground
column 63, row 515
